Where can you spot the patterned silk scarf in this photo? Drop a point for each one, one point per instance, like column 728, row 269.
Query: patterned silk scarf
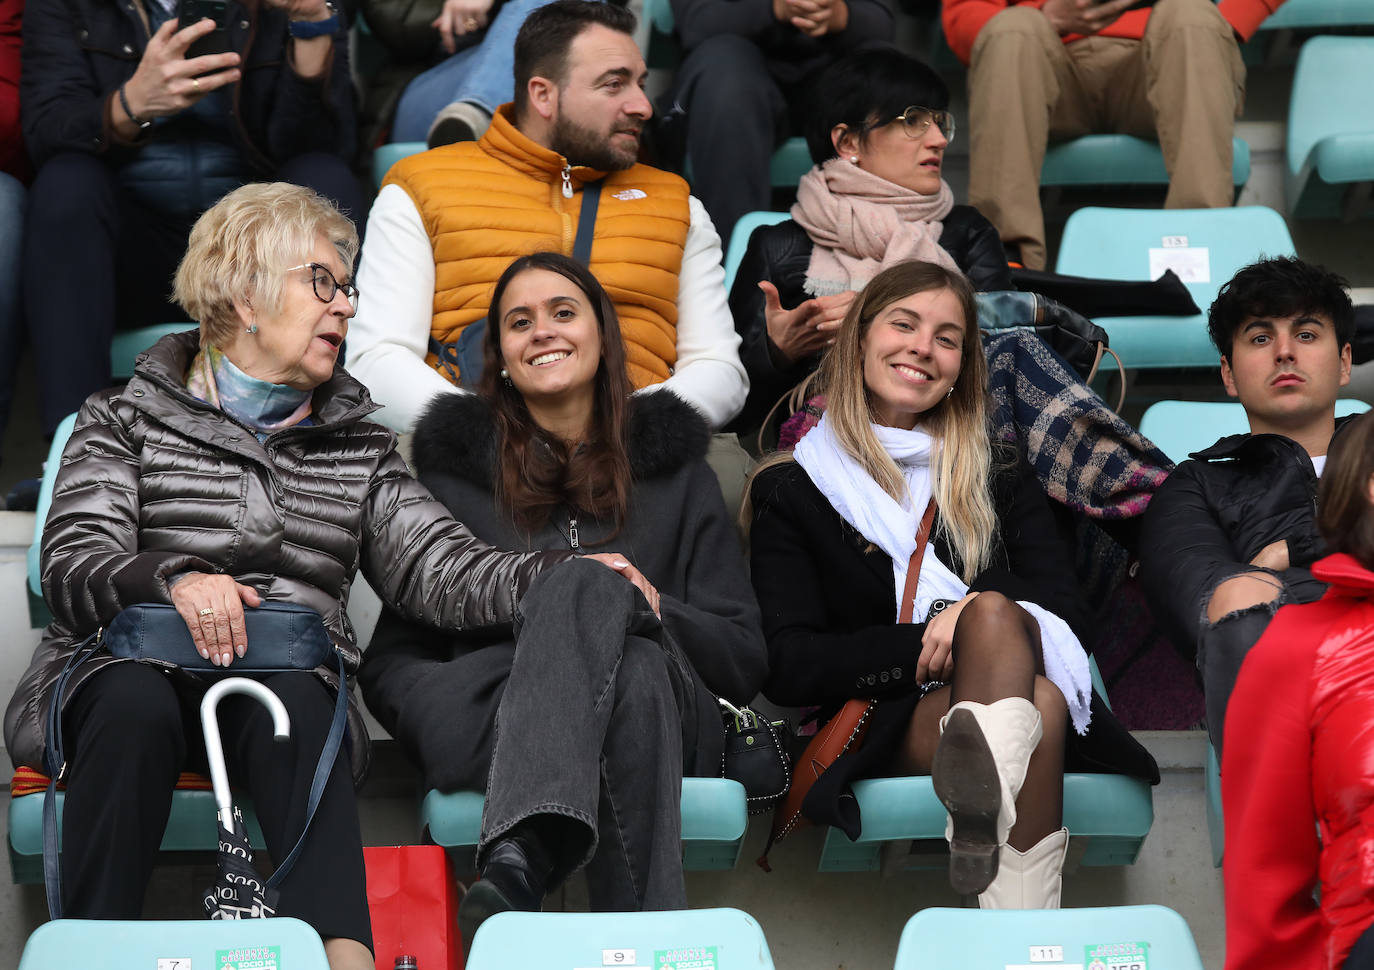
column 261, row 406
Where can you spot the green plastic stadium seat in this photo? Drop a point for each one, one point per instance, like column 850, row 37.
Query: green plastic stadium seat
column 1116, row 243
column 704, row 938
column 190, row 828
column 739, row 240
column 174, row 944
column 1109, row 936
column 1109, row 815
column 1179, row 428
column 1122, row 160
column 1331, row 127
column 714, row 816
column 1320, row 14
column 385, row 156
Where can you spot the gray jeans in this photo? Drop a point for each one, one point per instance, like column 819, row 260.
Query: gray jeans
column 598, row 710
column 1221, row 650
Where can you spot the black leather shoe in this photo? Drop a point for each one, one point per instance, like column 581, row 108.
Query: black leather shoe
column 515, row 877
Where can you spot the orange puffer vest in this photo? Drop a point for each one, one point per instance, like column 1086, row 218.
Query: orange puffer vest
column 486, row 203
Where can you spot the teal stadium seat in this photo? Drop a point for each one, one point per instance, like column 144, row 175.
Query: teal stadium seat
column 739, row 240
column 1320, row 15
column 1330, row 153
column 1115, row 244
column 1179, row 428
column 714, row 816
column 694, row 939
column 280, row 942
column 1122, row 937
column 1108, row 816
column 1122, row 160
column 385, row 156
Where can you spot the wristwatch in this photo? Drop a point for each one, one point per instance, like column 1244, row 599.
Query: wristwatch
column 308, row 29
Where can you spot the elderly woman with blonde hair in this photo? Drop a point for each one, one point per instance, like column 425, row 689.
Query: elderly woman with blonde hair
column 238, row 467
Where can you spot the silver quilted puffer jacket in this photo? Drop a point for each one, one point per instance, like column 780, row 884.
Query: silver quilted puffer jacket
column 155, row 483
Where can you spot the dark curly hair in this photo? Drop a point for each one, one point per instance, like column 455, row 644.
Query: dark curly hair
column 1283, row 286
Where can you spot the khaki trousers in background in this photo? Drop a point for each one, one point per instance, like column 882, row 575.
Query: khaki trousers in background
column 1183, row 83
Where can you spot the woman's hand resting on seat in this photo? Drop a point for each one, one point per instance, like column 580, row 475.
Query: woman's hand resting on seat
column 620, row 564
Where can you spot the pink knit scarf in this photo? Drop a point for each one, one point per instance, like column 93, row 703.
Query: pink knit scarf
column 861, row 224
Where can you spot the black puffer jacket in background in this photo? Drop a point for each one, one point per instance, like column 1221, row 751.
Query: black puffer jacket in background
column 781, row 254
column 1215, row 513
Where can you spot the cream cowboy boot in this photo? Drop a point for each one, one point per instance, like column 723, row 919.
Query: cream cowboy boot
column 1031, row 879
column 980, row 766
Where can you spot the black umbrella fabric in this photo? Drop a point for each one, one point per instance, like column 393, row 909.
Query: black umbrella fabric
column 238, row 892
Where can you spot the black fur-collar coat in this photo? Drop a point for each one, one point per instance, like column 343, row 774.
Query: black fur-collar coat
column 677, row 532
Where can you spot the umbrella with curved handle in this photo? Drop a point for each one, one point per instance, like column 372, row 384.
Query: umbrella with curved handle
column 214, row 749
column 239, row 892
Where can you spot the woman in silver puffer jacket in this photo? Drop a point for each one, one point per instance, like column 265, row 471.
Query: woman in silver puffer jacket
column 234, row 469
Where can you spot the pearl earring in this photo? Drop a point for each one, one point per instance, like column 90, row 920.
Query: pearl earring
column 505, row 376
column 853, row 159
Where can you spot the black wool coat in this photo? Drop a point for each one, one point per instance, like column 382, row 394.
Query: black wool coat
column 677, row 532
column 829, row 609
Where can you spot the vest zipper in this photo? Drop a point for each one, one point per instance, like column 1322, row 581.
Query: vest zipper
column 572, row 533
column 567, row 181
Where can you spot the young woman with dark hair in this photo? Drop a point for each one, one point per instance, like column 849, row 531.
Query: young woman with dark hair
column 1296, row 787
column 987, row 682
column 879, row 127
column 605, row 692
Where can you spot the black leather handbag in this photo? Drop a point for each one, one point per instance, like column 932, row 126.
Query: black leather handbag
column 755, row 756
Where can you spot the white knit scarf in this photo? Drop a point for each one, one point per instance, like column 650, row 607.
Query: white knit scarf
column 891, row 526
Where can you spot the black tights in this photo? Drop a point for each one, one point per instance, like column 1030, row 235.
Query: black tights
column 997, row 655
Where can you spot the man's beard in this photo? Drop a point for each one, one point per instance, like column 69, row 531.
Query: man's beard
column 582, row 146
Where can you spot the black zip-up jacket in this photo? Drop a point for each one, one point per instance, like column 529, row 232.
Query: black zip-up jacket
column 781, row 254
column 1215, row 513
column 78, row 52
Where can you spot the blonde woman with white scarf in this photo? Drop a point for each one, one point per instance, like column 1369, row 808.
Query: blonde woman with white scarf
column 988, row 688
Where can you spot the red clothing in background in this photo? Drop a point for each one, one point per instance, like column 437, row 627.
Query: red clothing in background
column 11, row 139
column 1299, row 757
column 962, row 19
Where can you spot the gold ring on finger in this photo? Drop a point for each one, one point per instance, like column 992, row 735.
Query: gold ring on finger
column 208, row 611
column 470, row 23
column 195, row 83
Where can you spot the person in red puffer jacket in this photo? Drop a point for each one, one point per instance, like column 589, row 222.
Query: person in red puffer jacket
column 1297, row 779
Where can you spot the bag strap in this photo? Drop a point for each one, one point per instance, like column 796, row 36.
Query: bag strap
column 322, row 771
column 913, row 566
column 55, row 761
column 586, row 223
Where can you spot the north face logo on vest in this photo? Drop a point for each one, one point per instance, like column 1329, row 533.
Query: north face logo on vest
column 629, row 195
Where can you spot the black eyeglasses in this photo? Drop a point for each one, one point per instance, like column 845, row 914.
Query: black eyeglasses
column 325, row 285
column 916, row 121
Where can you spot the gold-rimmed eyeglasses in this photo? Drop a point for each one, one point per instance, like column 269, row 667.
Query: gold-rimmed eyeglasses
column 325, row 285
column 916, row 121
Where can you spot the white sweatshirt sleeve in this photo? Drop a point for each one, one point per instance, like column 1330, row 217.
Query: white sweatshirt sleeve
column 389, row 336
column 708, row 374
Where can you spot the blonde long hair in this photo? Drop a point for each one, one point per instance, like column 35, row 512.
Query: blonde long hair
column 959, row 424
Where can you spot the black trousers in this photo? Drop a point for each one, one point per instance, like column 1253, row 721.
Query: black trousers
column 95, row 259
column 736, row 116
column 131, row 729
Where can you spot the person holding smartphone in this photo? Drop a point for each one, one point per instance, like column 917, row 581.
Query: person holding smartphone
column 135, row 132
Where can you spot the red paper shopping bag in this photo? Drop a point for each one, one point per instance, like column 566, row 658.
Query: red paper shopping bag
column 413, row 899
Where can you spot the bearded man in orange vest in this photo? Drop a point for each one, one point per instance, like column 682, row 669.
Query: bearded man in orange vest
column 556, row 171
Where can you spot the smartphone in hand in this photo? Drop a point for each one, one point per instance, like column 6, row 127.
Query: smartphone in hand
column 193, row 11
